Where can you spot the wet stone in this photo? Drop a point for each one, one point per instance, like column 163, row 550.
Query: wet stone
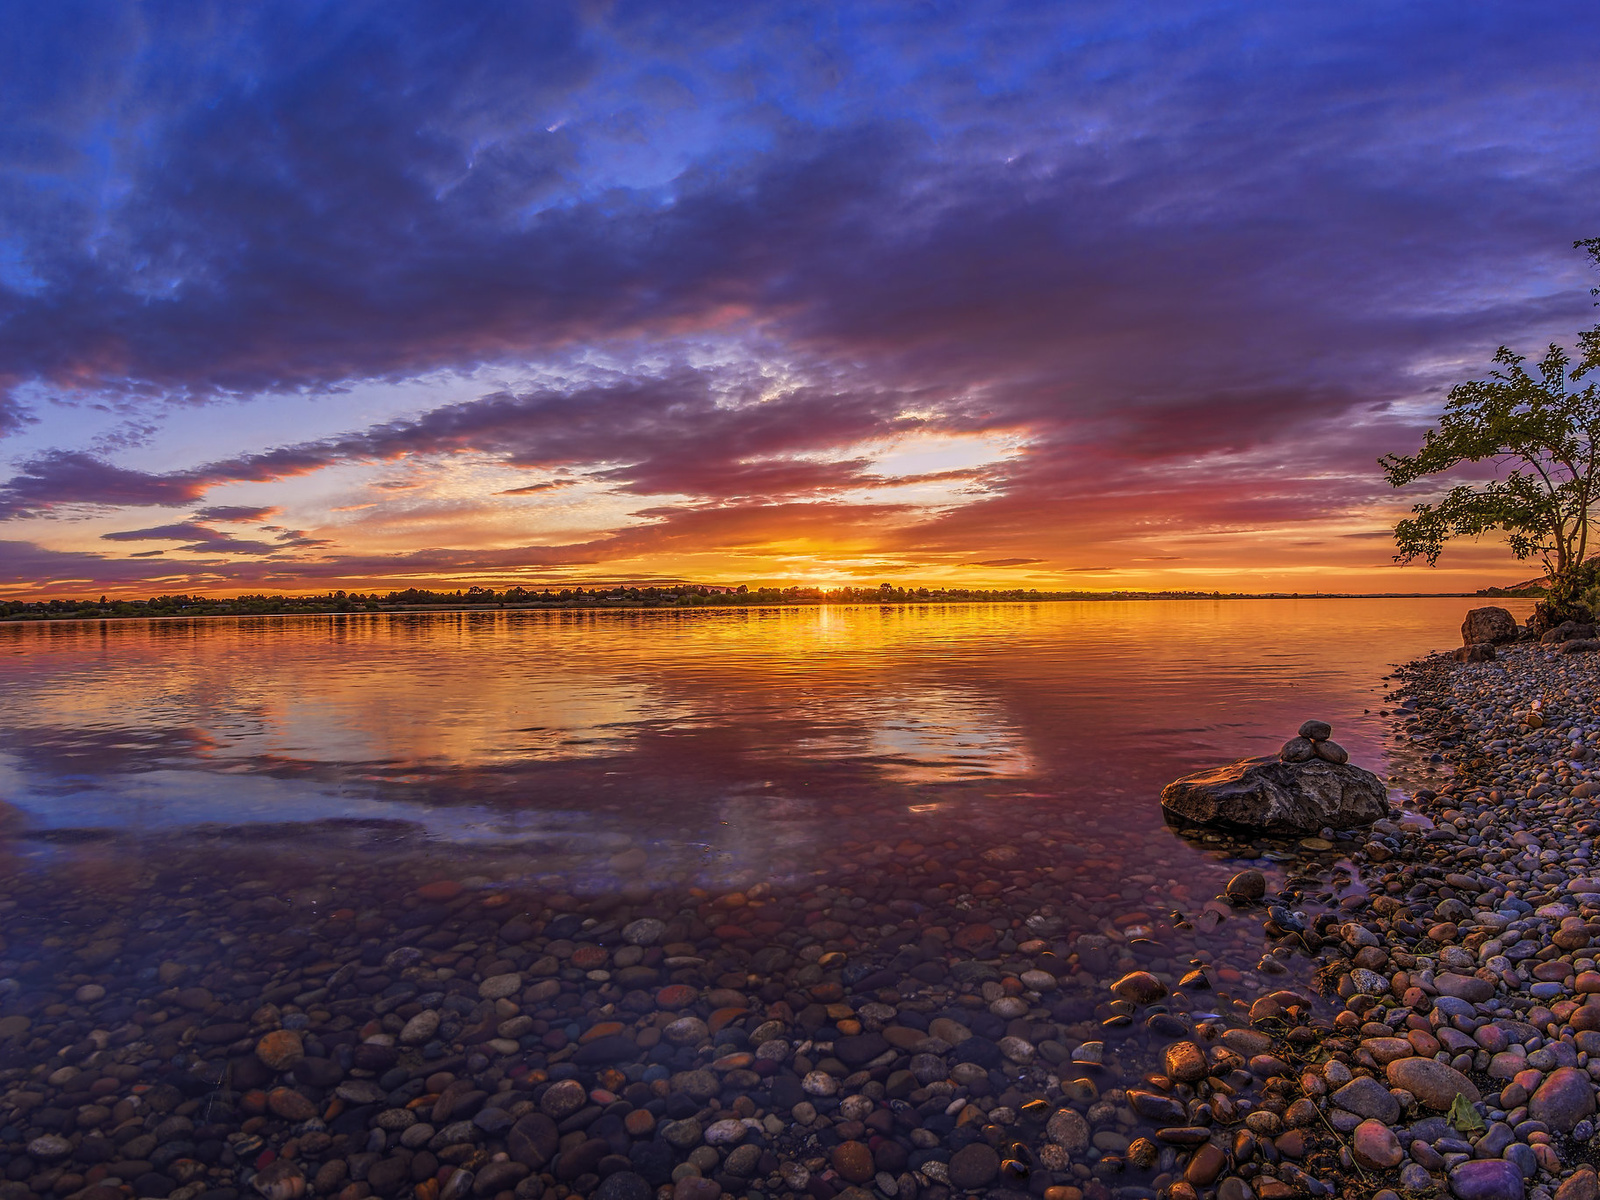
column 1247, row 885
column 562, row 1099
column 1186, row 1062
column 853, row 1161
column 1067, row 1128
column 974, row 1166
column 279, row 1048
column 624, row 1185
column 1141, row 987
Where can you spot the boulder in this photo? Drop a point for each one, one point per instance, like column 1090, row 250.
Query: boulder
column 1478, row 652
column 1567, row 631
column 1488, row 625
column 1272, row 796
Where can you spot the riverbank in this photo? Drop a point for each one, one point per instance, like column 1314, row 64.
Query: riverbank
column 1469, row 971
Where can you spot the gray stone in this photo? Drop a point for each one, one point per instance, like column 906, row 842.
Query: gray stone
column 1067, row 1128
column 646, row 931
column 624, row 1185
column 1277, row 797
column 1366, row 1097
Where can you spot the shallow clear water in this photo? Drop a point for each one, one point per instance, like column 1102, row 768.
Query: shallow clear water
column 741, row 740
column 836, row 819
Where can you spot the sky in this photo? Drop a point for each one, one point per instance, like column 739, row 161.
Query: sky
column 370, row 295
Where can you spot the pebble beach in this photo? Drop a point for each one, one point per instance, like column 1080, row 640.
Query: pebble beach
column 1053, row 1012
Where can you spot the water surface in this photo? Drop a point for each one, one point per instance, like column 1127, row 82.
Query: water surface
column 742, row 739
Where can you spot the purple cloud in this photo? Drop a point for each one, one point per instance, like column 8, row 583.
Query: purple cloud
column 1136, row 235
column 197, row 538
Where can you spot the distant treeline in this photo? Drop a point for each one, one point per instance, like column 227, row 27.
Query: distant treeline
column 686, row 595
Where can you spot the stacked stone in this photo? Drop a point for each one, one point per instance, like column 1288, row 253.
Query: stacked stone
column 1312, row 742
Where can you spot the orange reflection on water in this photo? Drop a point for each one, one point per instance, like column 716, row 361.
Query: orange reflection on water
column 747, row 717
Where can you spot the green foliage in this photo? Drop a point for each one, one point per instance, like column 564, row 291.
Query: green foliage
column 1572, row 596
column 1463, row 1116
column 1541, row 425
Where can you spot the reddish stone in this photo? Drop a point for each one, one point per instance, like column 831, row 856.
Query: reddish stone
column 723, row 1017
column 590, row 958
column 975, row 938
column 677, row 995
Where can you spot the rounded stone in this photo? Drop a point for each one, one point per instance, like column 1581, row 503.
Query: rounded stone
column 1366, row 1097
column 1433, row 1083
column 420, row 1028
column 729, row 1132
column 1206, row 1165
column 974, row 1166
column 1141, row 987
column 1298, row 750
column 1375, row 1146
column 646, row 931
column 499, row 987
column 1185, row 1062
column 819, row 1083
column 290, row 1105
column 1563, row 1099
column 1332, row 752
column 853, row 1161
column 1487, row 1179
column 1068, row 1129
column 49, row 1147
column 562, row 1099
column 1316, row 731
column 1247, row 885
column 280, row 1048
column 686, row 1031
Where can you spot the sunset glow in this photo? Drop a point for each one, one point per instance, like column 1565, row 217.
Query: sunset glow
column 363, row 296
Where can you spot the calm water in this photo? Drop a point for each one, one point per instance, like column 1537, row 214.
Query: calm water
column 738, row 741
column 918, row 801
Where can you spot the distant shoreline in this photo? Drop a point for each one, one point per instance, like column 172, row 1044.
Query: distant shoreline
column 722, row 605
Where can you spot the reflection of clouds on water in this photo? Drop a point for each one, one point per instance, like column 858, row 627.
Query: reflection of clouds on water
column 944, row 733
column 735, row 729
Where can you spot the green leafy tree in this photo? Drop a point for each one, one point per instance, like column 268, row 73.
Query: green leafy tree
column 1541, row 430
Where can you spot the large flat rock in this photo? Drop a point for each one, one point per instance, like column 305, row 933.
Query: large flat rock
column 1273, row 796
